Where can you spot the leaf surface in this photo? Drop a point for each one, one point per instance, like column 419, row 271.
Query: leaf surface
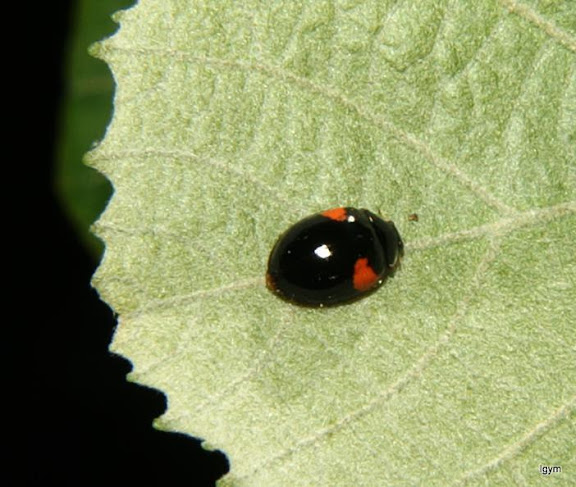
column 234, row 120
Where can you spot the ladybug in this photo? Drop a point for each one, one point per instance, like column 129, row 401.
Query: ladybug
column 334, row 257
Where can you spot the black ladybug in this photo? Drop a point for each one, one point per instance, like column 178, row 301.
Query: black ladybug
column 334, row 257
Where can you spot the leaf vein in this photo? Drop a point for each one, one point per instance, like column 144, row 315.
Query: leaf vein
column 330, row 93
column 495, row 229
column 516, row 448
column 179, row 155
column 552, row 30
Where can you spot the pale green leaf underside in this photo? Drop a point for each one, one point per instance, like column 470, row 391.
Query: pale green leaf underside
column 235, row 119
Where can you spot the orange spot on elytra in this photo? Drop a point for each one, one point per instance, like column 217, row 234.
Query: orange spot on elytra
column 364, row 276
column 338, row 214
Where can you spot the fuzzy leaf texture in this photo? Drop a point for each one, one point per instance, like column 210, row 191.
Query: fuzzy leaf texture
column 233, row 120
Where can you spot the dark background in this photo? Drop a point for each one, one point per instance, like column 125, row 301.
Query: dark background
column 84, row 424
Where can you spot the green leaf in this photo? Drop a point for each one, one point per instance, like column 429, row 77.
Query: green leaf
column 85, row 110
column 234, row 120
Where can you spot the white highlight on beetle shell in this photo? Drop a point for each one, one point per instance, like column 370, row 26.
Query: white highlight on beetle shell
column 323, row 251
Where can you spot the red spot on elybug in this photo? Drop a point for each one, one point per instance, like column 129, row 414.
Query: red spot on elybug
column 364, row 276
column 338, row 214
